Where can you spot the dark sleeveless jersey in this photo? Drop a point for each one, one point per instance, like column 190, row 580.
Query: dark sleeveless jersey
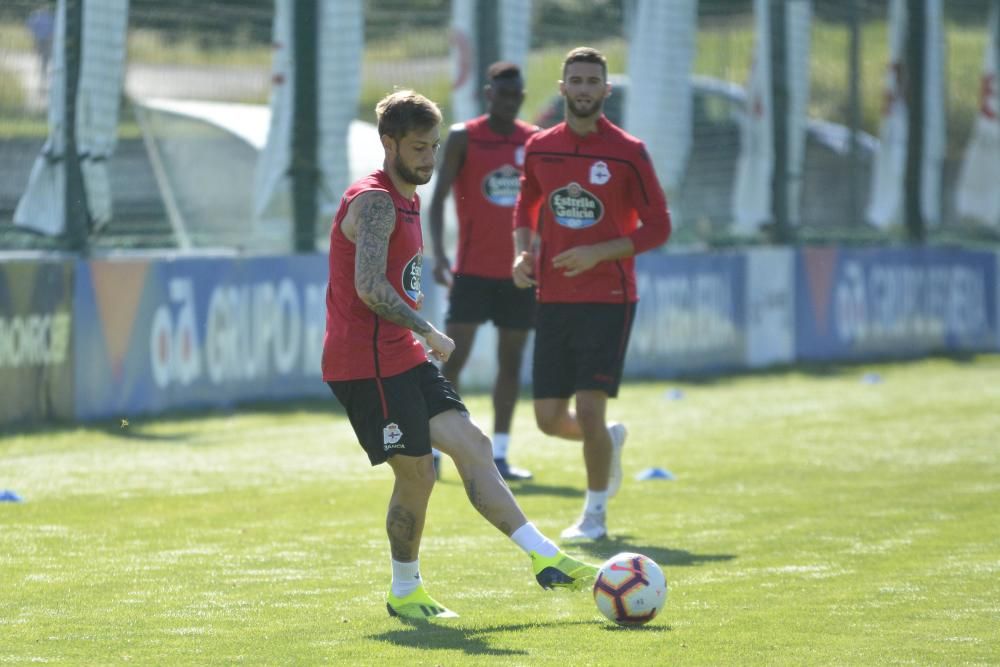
column 358, row 343
column 485, row 191
column 586, row 190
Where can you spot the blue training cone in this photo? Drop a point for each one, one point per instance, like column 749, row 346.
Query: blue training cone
column 654, row 473
column 8, row 496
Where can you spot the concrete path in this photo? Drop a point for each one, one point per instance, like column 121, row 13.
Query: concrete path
column 213, row 83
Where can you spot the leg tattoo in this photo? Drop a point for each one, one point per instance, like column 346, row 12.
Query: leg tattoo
column 401, row 526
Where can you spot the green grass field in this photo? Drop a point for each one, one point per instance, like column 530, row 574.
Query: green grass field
column 815, row 519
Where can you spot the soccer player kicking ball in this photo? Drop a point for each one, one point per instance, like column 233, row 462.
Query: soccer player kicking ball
column 397, row 401
column 585, row 185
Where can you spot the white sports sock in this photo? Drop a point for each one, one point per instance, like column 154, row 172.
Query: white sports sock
column 597, row 502
column 405, row 577
column 529, row 539
column 500, row 443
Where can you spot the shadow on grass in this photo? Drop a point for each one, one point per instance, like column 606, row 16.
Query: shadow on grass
column 608, row 547
column 611, row 627
column 131, row 432
column 830, row 369
column 474, row 641
column 533, row 489
column 178, row 417
column 520, row 489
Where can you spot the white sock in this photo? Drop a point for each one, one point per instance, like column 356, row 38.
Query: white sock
column 405, row 577
column 597, row 502
column 529, row 539
column 500, row 443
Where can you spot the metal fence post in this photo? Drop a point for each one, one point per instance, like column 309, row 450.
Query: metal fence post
column 77, row 215
column 780, row 102
column 854, row 109
column 305, row 134
column 487, row 43
column 913, row 86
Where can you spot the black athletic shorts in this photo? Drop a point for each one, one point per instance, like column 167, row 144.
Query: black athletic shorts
column 474, row 300
column 580, row 346
column 392, row 415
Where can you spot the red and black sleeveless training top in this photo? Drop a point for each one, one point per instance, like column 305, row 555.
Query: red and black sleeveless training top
column 485, row 191
column 358, row 343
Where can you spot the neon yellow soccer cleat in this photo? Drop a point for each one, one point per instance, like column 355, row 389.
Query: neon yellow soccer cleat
column 417, row 605
column 561, row 571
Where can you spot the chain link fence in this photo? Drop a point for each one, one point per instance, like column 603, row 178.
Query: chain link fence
column 220, row 52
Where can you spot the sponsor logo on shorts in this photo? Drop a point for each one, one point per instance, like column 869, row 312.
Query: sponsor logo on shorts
column 575, row 208
column 599, row 173
column 500, row 187
column 391, row 434
column 411, row 276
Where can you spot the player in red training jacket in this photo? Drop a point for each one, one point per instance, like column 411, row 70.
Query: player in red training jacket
column 482, row 163
column 397, row 401
column 586, row 185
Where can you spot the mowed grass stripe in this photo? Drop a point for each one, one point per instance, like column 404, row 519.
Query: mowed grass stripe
column 815, row 519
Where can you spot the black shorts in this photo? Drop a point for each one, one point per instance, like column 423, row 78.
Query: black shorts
column 580, row 346
column 474, row 300
column 392, row 415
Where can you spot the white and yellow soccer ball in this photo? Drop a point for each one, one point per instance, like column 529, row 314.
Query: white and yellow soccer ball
column 630, row 589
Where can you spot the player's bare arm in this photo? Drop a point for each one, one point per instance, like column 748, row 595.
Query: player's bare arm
column 372, row 219
column 454, row 157
column 523, row 271
column 585, row 257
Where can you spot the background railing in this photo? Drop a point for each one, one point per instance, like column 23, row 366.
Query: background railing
column 220, row 51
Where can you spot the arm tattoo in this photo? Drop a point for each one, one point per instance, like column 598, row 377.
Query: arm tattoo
column 375, row 224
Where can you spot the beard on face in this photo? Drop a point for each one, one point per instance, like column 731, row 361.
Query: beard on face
column 593, row 109
column 410, row 175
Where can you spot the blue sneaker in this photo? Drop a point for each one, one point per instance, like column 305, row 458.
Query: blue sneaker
column 510, row 473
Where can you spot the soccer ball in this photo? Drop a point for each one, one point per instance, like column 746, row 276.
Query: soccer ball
column 630, row 589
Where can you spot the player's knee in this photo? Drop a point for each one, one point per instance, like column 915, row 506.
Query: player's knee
column 548, row 422
column 481, row 447
column 475, row 448
column 509, row 373
column 590, row 417
column 417, row 478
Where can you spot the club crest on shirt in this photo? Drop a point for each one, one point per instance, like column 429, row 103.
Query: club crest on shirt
column 411, row 276
column 574, row 207
column 599, row 173
column 519, row 156
column 500, row 187
column 391, row 433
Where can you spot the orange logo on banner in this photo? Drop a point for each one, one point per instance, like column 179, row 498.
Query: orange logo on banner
column 820, row 263
column 118, row 289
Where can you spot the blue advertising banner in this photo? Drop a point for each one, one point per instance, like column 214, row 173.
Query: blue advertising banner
column 36, row 331
column 691, row 314
column 868, row 303
column 201, row 332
